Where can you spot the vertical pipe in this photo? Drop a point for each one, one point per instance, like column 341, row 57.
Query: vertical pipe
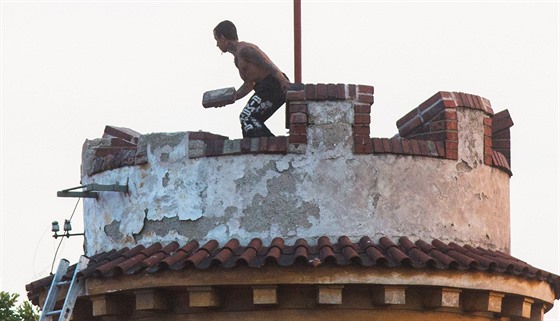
column 297, row 41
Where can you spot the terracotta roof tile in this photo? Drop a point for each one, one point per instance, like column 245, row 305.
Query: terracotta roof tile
column 134, row 262
column 445, row 260
column 365, row 252
column 163, row 253
column 417, row 254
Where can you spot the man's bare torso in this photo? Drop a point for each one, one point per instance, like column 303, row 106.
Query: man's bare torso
column 254, row 65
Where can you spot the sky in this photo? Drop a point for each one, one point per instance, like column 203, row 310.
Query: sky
column 68, row 68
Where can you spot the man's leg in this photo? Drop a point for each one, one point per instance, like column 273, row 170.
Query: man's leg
column 253, row 116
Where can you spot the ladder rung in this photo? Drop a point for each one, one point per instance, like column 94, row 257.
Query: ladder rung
column 50, row 313
column 74, row 288
column 63, row 283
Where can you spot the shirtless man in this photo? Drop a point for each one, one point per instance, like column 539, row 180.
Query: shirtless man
column 258, row 73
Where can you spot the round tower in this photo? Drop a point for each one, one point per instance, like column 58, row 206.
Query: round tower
column 324, row 223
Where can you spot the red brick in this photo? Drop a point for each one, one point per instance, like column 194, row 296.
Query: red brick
column 278, row 144
column 471, row 99
column 450, row 145
column 263, row 144
column 452, row 135
column 245, row 145
column 298, row 108
column 434, row 112
column 363, row 145
column 386, row 145
column 341, row 91
column 487, row 131
column 119, row 142
column 501, row 115
column 321, row 91
column 364, row 89
column 415, row 147
column 365, row 98
column 488, row 160
column 214, row 148
column 287, row 116
column 504, row 134
column 446, row 95
column 501, row 144
column 410, row 126
column 449, row 103
column 351, row 91
column 298, row 118
column 423, row 129
column 478, row 103
column 423, row 147
column 406, row 118
column 429, row 102
column 361, row 130
column 377, row 145
column 104, row 151
column 362, row 119
column 310, row 92
column 331, row 91
column 501, row 124
column 437, row 125
column 452, row 154
column 465, row 99
column 122, row 133
column 360, row 108
column 434, row 136
column 396, row 145
column 432, row 148
column 487, row 141
column 487, row 151
column 406, row 146
column 459, row 99
column 298, row 129
column 205, row 136
column 295, row 95
column 487, row 104
column 451, row 125
column 440, row 149
column 450, row 114
column 297, row 139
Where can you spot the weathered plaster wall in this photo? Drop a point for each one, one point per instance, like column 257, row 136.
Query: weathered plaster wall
column 328, row 190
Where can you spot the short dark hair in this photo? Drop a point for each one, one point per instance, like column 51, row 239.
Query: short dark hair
column 227, row 29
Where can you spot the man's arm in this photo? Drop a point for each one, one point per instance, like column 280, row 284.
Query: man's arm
column 244, row 89
column 248, row 80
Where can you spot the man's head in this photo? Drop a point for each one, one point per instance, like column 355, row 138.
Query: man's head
column 227, row 29
column 224, row 32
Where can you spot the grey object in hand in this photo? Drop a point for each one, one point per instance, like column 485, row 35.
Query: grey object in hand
column 218, row 97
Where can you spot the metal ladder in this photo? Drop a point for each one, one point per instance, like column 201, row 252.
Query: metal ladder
column 74, row 287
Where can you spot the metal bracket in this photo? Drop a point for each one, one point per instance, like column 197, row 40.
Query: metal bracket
column 91, row 190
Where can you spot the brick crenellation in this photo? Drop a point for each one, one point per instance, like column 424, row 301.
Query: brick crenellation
column 429, row 130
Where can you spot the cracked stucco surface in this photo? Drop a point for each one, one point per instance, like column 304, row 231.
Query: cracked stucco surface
column 326, row 191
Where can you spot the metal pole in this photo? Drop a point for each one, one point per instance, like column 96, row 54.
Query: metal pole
column 297, row 41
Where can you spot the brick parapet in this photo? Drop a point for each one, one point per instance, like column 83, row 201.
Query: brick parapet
column 360, row 95
column 429, row 130
column 435, row 121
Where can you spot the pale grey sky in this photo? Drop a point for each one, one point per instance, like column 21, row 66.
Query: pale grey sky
column 71, row 67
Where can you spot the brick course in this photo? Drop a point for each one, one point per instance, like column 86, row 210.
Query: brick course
column 430, row 130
